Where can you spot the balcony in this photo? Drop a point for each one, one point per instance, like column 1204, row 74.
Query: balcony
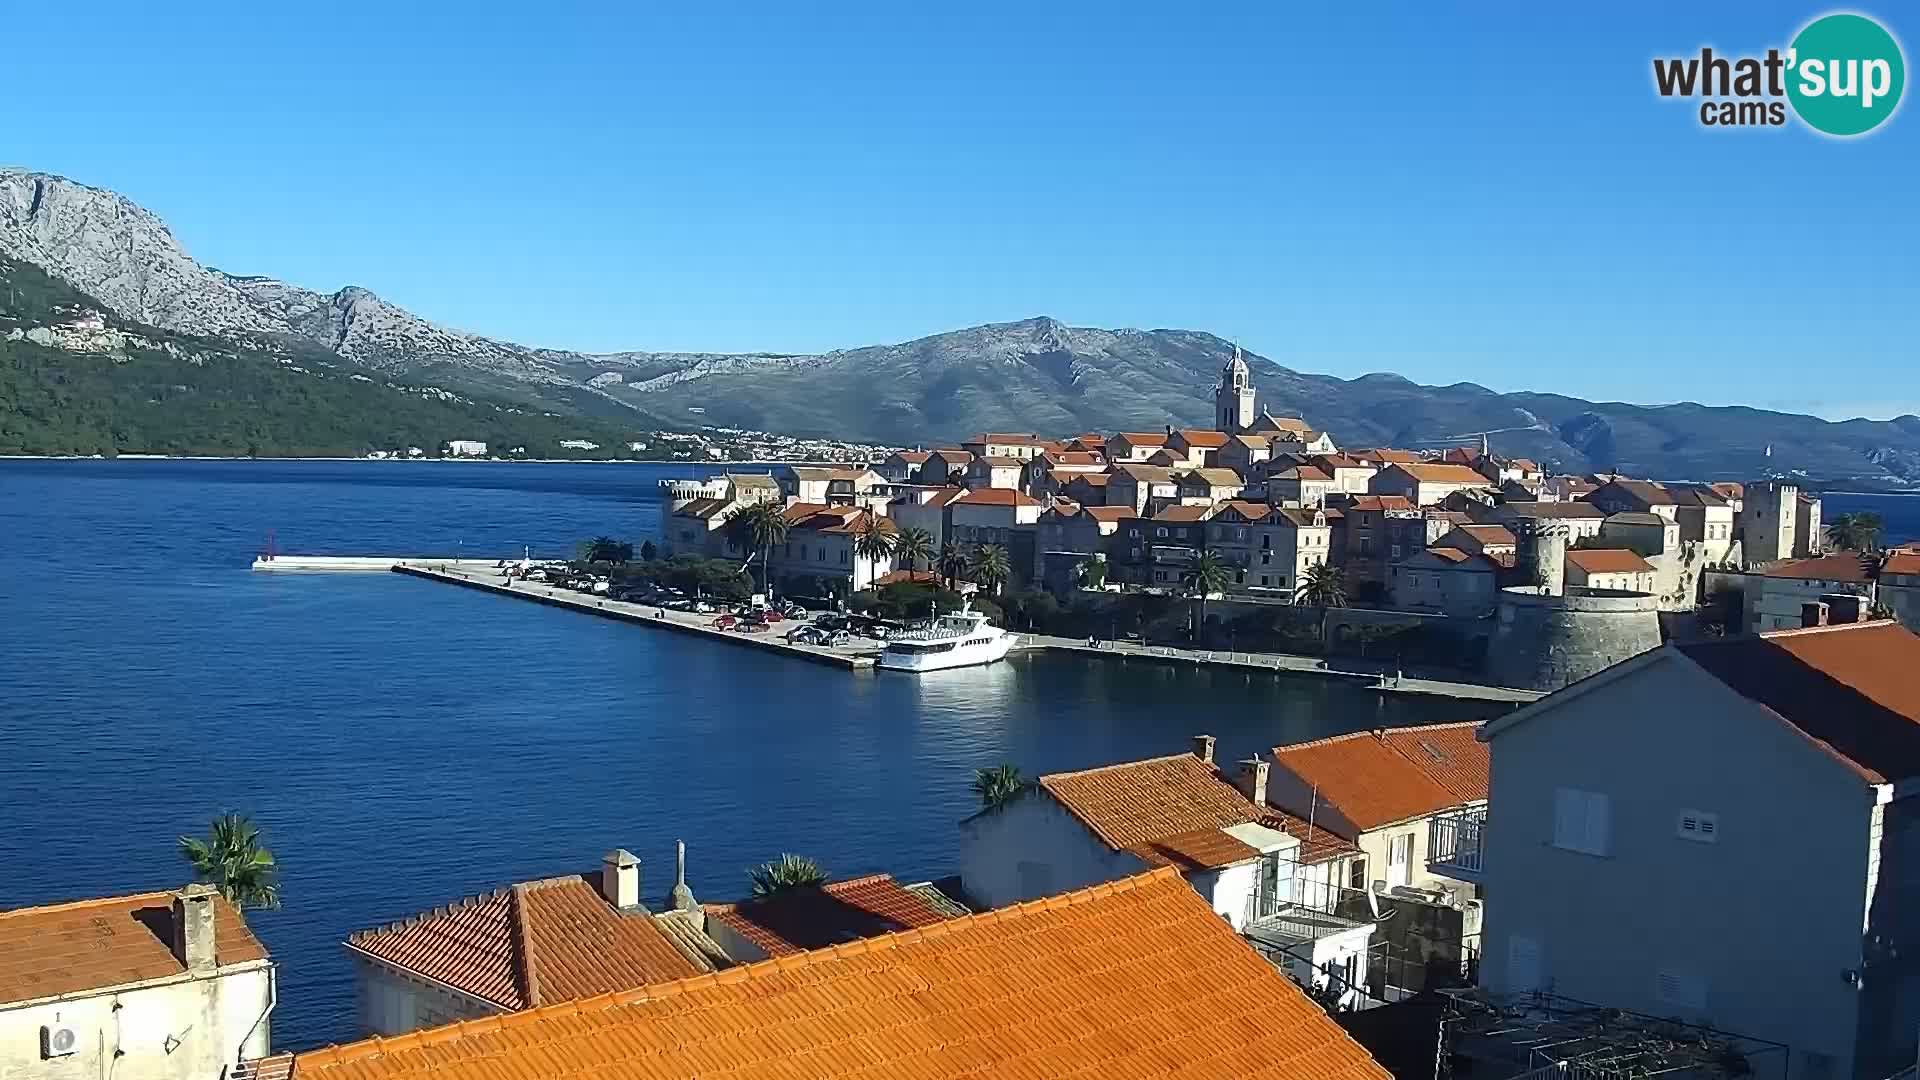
column 1453, row 844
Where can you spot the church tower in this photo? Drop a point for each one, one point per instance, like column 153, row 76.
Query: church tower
column 1233, row 399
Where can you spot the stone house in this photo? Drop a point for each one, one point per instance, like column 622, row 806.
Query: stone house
column 1146, row 488
column 1580, row 520
column 1088, row 489
column 1762, row 782
column 819, row 556
column 995, row 472
column 1647, row 533
column 159, row 985
column 1350, row 475
column 1377, row 531
column 1175, row 537
column 1066, row 536
column 1899, row 585
column 1776, row 595
column 1776, row 521
column 1135, row 445
column 698, row 528
column 902, row 466
column 1076, row 829
column 998, row 516
column 1242, row 452
column 1055, row 467
column 1622, row 496
column 1020, row 447
column 1493, row 541
column 1705, row 518
column 1609, row 568
column 1298, row 485
column 943, row 466
column 1205, row 487
column 1197, row 447
column 1267, row 547
column 924, row 508
column 834, row 486
column 1382, row 791
column 1446, row 581
column 1427, row 483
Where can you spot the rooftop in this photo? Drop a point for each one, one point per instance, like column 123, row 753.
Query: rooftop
column 1553, row 509
column 1301, row 472
column 800, row 919
column 1848, row 688
column 1380, row 502
column 1202, row 437
column 1644, row 492
column 1143, row 438
column 1839, row 566
column 1376, row 778
column 531, row 944
column 1608, row 561
column 94, row 945
column 1387, row 456
column 1132, row 979
column 996, row 497
column 1158, row 807
column 1901, row 562
column 1637, row 517
column 1108, row 513
column 1488, row 535
column 1437, row 473
column 1184, row 514
column 1215, row 477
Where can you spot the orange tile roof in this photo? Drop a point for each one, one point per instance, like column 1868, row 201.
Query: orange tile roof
column 1374, row 778
column 1181, row 514
column 1608, row 561
column 1142, row 473
column 1434, row 473
column 1252, row 511
column 1198, row 849
column 92, row 945
column 997, row 497
column 1127, row 980
column 1840, row 566
column 1074, row 457
column 530, row 944
column 1388, row 456
column 1381, row 502
column 1496, row 535
column 1216, row 477
column 1901, row 562
column 1317, row 845
column 1109, row 513
column 1143, row 438
column 1849, row 688
column 1202, row 438
column 1141, row 802
column 802, row 919
column 1097, row 479
column 992, row 461
column 906, row 577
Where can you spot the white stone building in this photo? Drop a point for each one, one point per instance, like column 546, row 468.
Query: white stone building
column 159, row 986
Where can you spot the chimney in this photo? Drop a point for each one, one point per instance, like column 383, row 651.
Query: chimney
column 620, row 879
column 1253, row 780
column 1813, row 613
column 1203, row 748
column 682, row 896
column 193, row 928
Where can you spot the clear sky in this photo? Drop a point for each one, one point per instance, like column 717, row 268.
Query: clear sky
column 1491, row 194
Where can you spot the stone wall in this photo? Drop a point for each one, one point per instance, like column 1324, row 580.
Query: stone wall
column 1543, row 642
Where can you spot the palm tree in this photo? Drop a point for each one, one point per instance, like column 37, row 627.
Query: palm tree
column 955, row 558
column 1207, row 575
column 606, row 549
column 787, row 873
column 232, row 860
column 997, row 786
column 1855, row 532
column 915, row 545
column 875, row 542
column 1324, row 587
column 760, row 525
column 989, row 567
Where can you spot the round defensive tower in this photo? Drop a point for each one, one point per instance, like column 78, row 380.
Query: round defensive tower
column 1543, row 641
column 1540, row 555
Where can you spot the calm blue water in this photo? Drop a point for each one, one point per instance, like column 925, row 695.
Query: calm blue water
column 405, row 744
column 1900, row 513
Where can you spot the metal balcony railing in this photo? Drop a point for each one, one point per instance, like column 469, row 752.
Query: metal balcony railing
column 1453, row 842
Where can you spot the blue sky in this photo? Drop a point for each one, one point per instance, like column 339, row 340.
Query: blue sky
column 1493, row 194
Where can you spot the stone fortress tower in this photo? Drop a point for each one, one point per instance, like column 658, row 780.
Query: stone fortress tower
column 1547, row 636
column 1233, row 398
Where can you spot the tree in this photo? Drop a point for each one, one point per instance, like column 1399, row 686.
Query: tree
column 1092, row 573
column 1855, row 532
column 759, row 525
column 787, row 873
column 998, row 786
column 1324, row 587
column 648, row 552
column 989, row 567
column 954, row 560
column 1207, row 575
column 915, row 546
column 875, row 542
column 233, row 861
column 606, row 549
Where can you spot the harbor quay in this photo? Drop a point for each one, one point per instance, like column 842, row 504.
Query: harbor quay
column 861, row 655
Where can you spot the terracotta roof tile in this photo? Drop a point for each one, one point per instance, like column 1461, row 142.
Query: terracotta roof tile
column 1181, row 514
column 92, row 945
column 1198, row 849
column 1146, row 801
column 1109, row 513
column 1317, row 845
column 804, row 919
column 1388, row 456
column 1143, row 438
column 530, row 944
column 1202, row 437
column 997, row 497
column 1127, row 980
column 1098, row 479
column 1840, row 566
column 1901, row 562
column 1381, row 502
column 1535, row 509
column 1608, row 561
column 1376, row 778
column 1216, row 477
column 1849, row 688
column 1436, row 473
column 1644, row 492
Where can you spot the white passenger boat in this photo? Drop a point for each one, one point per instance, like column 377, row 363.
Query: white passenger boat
column 958, row 639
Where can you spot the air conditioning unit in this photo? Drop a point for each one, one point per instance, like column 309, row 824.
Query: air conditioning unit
column 58, row 1040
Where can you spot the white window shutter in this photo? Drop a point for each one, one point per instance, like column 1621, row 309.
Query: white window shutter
column 1599, row 823
column 1569, row 818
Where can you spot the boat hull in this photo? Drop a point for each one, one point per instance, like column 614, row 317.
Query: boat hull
column 958, row 657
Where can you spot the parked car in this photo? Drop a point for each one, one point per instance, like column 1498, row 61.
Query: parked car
column 805, row 635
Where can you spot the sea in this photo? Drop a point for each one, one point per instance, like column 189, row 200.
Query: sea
column 403, row 744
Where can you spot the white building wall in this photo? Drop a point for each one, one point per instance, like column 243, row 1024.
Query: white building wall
column 184, row 1029
column 1033, row 848
column 1763, row 923
column 392, row 1002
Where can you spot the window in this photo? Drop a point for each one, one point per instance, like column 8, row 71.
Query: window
column 1698, row 826
column 1399, row 859
column 1581, row 821
column 1161, row 532
column 1357, row 873
column 1266, row 558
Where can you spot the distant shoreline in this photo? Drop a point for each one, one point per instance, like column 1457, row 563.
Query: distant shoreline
column 690, row 462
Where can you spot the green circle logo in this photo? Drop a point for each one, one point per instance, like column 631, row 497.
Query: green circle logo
column 1845, row 74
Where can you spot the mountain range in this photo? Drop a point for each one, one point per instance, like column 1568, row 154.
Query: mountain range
column 1032, row 375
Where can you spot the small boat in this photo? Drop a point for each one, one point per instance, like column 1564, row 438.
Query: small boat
column 961, row 638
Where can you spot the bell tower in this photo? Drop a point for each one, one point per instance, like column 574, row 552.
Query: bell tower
column 1233, row 398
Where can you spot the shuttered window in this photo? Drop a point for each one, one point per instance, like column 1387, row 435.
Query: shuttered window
column 1582, row 821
